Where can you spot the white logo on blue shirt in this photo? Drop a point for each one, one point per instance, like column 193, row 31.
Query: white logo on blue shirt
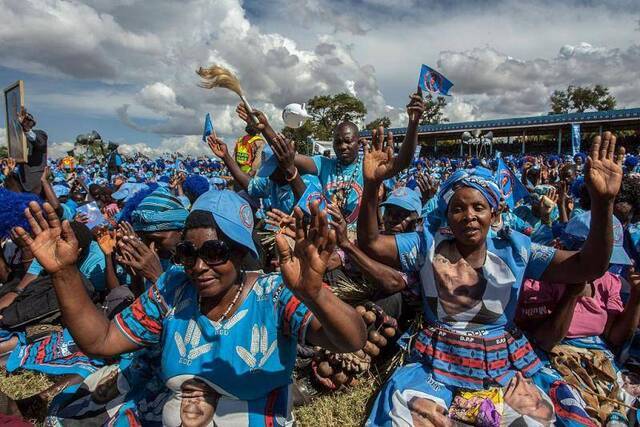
column 191, row 339
column 259, row 345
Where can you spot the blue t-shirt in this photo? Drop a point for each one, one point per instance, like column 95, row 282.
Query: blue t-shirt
column 245, row 361
column 342, row 182
column 69, row 209
column 276, row 196
column 461, row 298
column 92, row 267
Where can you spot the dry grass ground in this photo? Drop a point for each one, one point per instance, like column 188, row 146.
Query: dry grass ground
column 345, row 408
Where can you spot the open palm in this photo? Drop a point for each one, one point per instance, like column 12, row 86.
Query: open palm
column 52, row 243
column 303, row 270
column 603, row 173
column 378, row 163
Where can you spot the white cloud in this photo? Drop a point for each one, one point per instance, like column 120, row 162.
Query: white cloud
column 58, row 150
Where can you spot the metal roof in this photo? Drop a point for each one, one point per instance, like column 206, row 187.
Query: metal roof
column 553, row 120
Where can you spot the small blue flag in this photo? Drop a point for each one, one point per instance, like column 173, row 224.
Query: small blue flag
column 434, row 82
column 575, row 138
column 512, row 189
column 311, row 194
column 208, row 127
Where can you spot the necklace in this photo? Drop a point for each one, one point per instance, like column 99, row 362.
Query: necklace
column 344, row 185
column 235, row 299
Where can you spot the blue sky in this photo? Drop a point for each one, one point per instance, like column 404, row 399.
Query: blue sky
column 126, row 67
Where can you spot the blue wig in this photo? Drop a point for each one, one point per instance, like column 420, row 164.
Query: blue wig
column 12, row 212
column 134, row 201
column 195, row 185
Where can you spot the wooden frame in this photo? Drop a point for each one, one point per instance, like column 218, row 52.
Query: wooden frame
column 16, row 139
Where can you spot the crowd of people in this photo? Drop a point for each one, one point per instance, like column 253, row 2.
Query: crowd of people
column 222, row 290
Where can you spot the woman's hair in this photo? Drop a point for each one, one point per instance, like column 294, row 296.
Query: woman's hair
column 195, row 185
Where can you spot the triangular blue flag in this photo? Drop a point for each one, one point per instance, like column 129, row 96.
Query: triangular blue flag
column 432, row 81
column 312, row 193
column 208, row 127
column 512, row 189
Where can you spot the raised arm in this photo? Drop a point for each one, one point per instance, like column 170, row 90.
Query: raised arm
column 378, row 165
column 415, row 109
column 219, row 148
column 285, row 152
column 336, row 326
column 603, row 176
column 622, row 328
column 55, row 247
column 304, row 164
column 47, row 189
column 388, row 279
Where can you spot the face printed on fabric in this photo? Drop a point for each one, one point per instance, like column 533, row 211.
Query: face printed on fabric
column 427, row 413
column 107, row 388
column 198, row 404
column 165, row 241
column 525, row 398
column 209, row 281
column 469, row 216
column 398, row 220
column 460, row 286
column 623, row 211
column 345, row 143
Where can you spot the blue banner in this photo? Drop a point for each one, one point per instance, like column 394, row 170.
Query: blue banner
column 575, row 138
column 512, row 188
column 432, row 81
column 208, row 127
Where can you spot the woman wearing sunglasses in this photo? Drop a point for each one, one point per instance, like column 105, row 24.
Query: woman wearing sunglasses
column 236, row 331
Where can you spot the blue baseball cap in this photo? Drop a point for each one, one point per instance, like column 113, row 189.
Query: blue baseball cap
column 269, row 162
column 577, row 230
column 405, row 198
column 232, row 214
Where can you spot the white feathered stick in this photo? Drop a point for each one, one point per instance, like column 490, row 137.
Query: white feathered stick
column 217, row 76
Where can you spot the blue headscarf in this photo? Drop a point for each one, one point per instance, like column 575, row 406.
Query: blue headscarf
column 159, row 211
column 478, row 178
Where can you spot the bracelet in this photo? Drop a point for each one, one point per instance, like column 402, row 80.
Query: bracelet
column 295, row 175
column 17, row 291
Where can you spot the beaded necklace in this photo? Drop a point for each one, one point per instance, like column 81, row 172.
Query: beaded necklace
column 233, row 303
column 341, row 192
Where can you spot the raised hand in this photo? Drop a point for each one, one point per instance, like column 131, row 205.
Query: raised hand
column 427, row 186
column 303, row 268
column 52, row 243
column 140, row 258
column 106, row 239
column 9, row 166
column 416, row 106
column 81, row 217
column 285, row 152
column 285, row 223
column 242, row 112
column 26, row 120
column 603, row 172
column 217, row 146
column 339, row 225
column 378, row 157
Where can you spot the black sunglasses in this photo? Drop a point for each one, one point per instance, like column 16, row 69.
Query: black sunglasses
column 212, row 252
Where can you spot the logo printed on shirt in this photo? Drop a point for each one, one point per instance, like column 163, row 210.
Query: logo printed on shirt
column 262, row 290
column 259, row 345
column 191, row 339
column 224, row 328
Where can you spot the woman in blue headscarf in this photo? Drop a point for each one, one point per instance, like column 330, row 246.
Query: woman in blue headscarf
column 470, row 282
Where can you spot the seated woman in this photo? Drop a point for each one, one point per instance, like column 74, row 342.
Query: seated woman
column 235, row 331
column 471, row 278
column 581, row 325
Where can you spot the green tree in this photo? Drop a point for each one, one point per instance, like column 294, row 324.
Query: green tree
column 300, row 137
column 4, row 151
column 385, row 122
column 434, row 113
column 329, row 110
column 580, row 99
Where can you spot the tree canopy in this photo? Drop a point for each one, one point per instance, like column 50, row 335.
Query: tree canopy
column 579, row 99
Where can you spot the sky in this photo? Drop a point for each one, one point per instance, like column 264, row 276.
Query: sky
column 126, row 68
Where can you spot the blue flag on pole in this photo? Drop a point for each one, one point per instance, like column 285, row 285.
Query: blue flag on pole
column 311, row 194
column 512, row 189
column 208, row 127
column 434, row 82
